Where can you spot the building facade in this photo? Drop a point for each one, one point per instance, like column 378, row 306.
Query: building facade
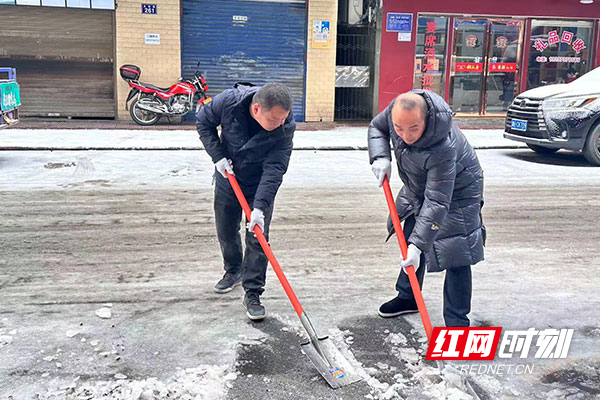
column 68, row 52
column 480, row 55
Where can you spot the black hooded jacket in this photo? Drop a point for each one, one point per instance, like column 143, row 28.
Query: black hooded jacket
column 443, row 185
column 260, row 159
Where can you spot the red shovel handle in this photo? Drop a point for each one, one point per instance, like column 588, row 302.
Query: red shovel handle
column 410, row 270
column 265, row 246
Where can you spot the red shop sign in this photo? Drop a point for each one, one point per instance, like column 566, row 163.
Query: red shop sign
column 503, row 67
column 469, row 67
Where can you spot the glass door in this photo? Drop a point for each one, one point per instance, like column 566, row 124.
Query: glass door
column 502, row 72
column 466, row 75
column 484, row 75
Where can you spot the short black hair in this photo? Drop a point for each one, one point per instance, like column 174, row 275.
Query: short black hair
column 409, row 101
column 274, row 94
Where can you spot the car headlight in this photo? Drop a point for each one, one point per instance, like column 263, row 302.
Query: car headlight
column 570, row 103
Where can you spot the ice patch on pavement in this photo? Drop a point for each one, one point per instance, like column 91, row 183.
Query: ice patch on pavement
column 379, row 390
column 103, row 312
column 209, row 382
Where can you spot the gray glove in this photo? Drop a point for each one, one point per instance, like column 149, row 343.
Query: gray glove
column 256, row 218
column 224, row 165
column 382, row 167
column 413, row 257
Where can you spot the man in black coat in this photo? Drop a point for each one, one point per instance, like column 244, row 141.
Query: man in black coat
column 440, row 202
column 255, row 145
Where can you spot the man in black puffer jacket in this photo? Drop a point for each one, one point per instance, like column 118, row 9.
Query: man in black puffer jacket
column 440, row 202
column 255, row 145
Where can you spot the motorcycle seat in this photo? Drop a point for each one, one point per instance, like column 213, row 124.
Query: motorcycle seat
column 149, row 86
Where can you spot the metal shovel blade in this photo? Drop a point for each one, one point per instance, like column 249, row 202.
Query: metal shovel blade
column 330, row 363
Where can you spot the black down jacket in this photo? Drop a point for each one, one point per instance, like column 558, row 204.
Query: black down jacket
column 260, row 161
column 443, row 185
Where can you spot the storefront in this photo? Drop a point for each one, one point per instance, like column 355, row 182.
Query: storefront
column 63, row 52
column 481, row 60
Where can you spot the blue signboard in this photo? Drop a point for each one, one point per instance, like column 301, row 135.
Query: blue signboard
column 148, row 8
column 397, row 22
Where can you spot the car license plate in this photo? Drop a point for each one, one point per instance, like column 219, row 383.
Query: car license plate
column 519, row 125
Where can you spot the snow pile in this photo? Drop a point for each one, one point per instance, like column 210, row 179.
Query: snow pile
column 208, row 382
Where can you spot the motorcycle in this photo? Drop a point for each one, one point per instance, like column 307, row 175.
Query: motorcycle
column 151, row 103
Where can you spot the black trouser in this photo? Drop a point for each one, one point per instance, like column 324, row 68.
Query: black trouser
column 253, row 262
column 457, row 286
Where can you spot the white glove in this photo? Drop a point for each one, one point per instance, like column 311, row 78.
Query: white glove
column 256, row 218
column 382, row 167
column 224, row 165
column 413, row 257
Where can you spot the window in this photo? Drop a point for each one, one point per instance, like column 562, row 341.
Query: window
column 78, row 3
column 559, row 52
column 430, row 54
column 104, row 4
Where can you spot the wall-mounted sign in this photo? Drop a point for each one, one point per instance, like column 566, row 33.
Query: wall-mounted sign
column 321, row 36
column 397, row 22
column 404, row 36
column 152, row 38
column 148, row 8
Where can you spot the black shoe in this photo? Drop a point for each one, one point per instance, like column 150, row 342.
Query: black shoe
column 398, row 306
column 254, row 310
column 228, row 282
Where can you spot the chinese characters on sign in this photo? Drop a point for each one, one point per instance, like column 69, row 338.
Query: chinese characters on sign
column 553, row 38
column 429, row 64
column 481, row 343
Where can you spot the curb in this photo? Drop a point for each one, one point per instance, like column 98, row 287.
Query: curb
column 194, row 148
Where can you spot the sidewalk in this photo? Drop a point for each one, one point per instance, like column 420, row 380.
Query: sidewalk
column 346, row 138
column 164, row 125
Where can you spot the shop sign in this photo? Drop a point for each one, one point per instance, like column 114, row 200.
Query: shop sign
column 553, row 38
column 503, row 67
column 321, row 38
column 469, row 67
column 430, row 62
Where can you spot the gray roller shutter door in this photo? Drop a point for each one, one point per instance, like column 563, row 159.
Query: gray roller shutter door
column 64, row 59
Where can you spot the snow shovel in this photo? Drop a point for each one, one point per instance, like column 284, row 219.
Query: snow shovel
column 414, row 284
column 326, row 358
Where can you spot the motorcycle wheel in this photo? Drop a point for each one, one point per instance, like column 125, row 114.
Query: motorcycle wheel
column 142, row 117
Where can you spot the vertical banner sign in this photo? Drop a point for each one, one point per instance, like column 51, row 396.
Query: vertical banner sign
column 321, row 35
column 429, row 63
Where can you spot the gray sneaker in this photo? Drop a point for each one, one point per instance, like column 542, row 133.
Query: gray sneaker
column 254, row 310
column 228, row 283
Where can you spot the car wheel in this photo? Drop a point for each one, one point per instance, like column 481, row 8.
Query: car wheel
column 542, row 149
column 591, row 150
